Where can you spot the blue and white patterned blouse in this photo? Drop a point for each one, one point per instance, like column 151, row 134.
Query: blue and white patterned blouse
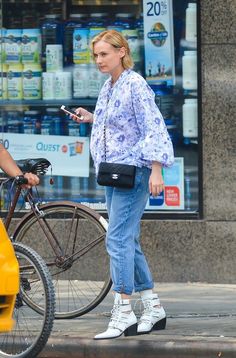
column 135, row 130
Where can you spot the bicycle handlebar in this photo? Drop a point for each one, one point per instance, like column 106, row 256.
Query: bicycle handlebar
column 20, row 180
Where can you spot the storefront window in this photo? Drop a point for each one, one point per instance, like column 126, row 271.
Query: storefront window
column 46, row 63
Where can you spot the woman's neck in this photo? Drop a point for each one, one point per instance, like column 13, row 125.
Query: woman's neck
column 115, row 76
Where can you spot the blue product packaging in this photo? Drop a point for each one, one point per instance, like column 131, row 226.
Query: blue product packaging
column 29, row 122
column 75, row 21
column 52, row 32
column 51, row 122
column 12, row 52
column 73, row 128
column 46, row 125
column 81, row 51
column 13, row 122
column 124, row 20
column 57, row 125
column 84, row 129
column 98, row 23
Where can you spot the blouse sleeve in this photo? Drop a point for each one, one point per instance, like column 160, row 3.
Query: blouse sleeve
column 155, row 143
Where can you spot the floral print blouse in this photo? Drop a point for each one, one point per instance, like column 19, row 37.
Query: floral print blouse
column 134, row 127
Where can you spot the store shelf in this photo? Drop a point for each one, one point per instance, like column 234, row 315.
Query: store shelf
column 49, row 103
column 104, row 2
column 77, row 2
column 29, row 1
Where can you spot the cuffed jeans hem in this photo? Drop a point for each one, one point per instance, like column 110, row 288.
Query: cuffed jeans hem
column 123, row 289
column 143, row 287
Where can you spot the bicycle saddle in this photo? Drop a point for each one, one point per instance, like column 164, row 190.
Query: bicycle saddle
column 38, row 166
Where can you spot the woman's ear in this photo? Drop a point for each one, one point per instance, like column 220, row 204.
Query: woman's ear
column 122, row 52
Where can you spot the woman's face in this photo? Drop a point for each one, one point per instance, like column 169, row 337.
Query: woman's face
column 107, row 57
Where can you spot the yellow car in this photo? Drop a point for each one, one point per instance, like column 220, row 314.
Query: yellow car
column 9, row 280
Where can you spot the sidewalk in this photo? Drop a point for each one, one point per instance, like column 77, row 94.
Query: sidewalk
column 201, row 323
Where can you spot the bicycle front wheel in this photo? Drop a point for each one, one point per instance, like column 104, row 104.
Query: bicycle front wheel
column 31, row 330
column 70, row 237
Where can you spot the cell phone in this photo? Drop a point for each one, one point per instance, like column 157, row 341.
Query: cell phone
column 67, row 110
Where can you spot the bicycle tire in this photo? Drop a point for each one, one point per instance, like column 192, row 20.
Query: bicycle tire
column 83, row 283
column 30, row 333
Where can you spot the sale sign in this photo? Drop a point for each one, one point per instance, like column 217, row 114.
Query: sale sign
column 159, row 41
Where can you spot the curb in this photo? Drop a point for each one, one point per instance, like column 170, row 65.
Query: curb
column 123, row 348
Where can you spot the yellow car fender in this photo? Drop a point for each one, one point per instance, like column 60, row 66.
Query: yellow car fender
column 9, row 282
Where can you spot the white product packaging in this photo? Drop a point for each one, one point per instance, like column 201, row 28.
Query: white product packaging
column 190, row 118
column 80, row 81
column 54, row 58
column 190, row 70
column 63, row 85
column 48, row 85
column 191, row 22
column 95, row 81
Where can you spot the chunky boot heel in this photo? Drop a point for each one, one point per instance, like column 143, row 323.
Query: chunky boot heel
column 160, row 325
column 131, row 331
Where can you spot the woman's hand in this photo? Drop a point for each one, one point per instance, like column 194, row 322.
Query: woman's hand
column 32, row 180
column 156, row 182
column 85, row 115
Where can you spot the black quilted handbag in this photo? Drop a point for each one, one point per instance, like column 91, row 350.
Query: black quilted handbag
column 117, row 175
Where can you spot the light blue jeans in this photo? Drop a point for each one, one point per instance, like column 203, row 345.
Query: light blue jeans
column 128, row 266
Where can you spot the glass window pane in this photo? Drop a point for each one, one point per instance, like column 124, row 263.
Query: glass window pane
column 46, row 63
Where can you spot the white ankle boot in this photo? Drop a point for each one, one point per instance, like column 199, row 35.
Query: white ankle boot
column 153, row 317
column 123, row 320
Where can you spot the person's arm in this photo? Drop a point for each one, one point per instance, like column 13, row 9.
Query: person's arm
column 9, row 166
column 156, row 182
column 7, row 163
column 156, row 145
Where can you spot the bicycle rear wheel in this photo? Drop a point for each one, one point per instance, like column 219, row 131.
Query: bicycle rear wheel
column 81, row 272
column 32, row 330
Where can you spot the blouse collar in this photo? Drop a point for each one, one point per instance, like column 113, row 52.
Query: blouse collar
column 119, row 80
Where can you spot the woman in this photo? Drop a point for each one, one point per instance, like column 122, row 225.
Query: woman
column 135, row 134
column 8, row 165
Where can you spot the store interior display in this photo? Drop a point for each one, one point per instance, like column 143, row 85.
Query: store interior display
column 46, row 62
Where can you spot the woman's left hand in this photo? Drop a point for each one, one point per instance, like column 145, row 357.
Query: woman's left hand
column 156, row 182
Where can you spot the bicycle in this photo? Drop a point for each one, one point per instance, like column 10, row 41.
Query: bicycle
column 70, row 238
column 31, row 330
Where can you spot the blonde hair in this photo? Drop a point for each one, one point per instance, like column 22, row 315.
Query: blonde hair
column 117, row 40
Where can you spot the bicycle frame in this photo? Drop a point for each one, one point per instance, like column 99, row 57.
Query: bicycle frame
column 11, row 211
column 38, row 214
column 63, row 233
column 61, row 260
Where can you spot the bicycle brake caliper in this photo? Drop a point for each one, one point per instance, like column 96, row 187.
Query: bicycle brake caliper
column 40, row 212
